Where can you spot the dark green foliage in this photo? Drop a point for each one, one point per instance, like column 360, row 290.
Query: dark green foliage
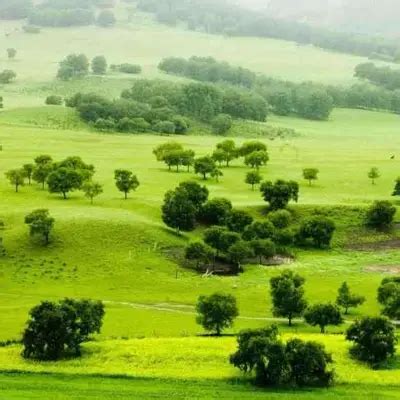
column 64, row 180
column 281, row 219
column 40, row 223
column 396, row 190
column 197, row 194
column 228, row 151
column 99, row 65
column 389, row 297
column 239, row 252
column 29, row 170
column 204, row 166
column 238, row 220
column 287, row 291
column 380, row 215
column 251, row 147
column 259, row 230
column 56, row 330
column 279, row 194
column 166, row 127
column 178, row 211
column 43, row 167
column 323, row 315
column 381, row 76
column 92, row 189
column 125, row 181
column 263, row 248
column 11, row 53
column 199, row 252
column 220, row 238
column 374, row 174
column 314, row 104
column 106, row 18
column 163, row 149
column 73, row 66
column 295, row 363
column 54, row 100
column 346, row 299
column 317, row 230
column 216, row 312
column 374, row 340
column 105, row 125
column 7, row 76
column 221, row 124
column 127, row 68
column 256, row 159
column 216, row 211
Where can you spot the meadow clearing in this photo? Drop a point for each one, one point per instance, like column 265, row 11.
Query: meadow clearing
column 120, row 251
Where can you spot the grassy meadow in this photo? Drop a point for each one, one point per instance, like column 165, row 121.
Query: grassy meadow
column 120, row 251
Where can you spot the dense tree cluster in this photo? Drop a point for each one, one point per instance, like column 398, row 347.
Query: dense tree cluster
column 7, row 76
column 57, row 330
column 221, row 17
column 126, row 68
column 15, row 9
column 382, row 76
column 275, row 363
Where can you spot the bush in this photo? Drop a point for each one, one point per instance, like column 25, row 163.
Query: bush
column 380, row 215
column 374, row 340
column 281, row 219
column 318, row 230
column 216, row 312
column 7, row 76
column 166, row 127
column 127, row 68
column 54, row 100
column 216, row 211
column 221, row 124
column 104, row 125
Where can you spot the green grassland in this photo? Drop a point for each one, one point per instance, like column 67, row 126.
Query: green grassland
column 120, row 252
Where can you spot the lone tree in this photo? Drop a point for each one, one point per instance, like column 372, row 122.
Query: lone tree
column 318, row 230
column 11, row 53
column 275, row 363
column 279, row 194
column 253, row 178
column 256, row 159
column 200, row 253
column 374, row 174
column 40, row 224
column 125, row 181
column 92, row 190
column 57, row 330
column 99, row 65
column 64, row 180
column 7, row 76
column 178, row 211
column 323, row 315
column 346, row 299
column 216, row 312
column 29, row 169
column 389, row 297
column 380, row 215
column 73, row 66
column 374, row 340
column 16, row 177
column 287, row 291
column 310, row 174
column 396, row 190
column 204, row 166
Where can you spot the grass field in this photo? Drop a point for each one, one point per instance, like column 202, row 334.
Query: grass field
column 120, row 252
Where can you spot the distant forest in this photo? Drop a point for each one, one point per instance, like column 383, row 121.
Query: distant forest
column 222, row 17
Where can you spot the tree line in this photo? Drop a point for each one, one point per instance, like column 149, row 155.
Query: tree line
column 381, row 76
column 221, row 17
column 308, row 99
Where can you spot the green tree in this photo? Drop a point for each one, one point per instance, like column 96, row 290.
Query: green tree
column 281, row 219
column 125, row 181
column 374, row 174
column 259, row 230
column 318, row 230
column 310, row 174
column 99, row 65
column 389, row 297
column 323, row 315
column 380, row 215
column 238, row 220
column 199, row 252
column 374, row 340
column 396, row 190
column 239, row 252
column 251, row 147
column 196, row 193
column 253, row 178
column 64, row 180
column 216, row 312
column 56, row 330
column 11, row 53
column 217, row 174
column 221, row 124
column 204, row 166
column 220, row 238
column 40, row 224
column 215, row 211
column 73, row 66
column 256, row 159
column 7, row 76
column 29, row 169
column 230, row 152
column 92, row 190
column 16, row 177
column 178, row 211
column 287, row 291
column 346, row 299
column 279, row 194
column 263, row 248
column 43, row 167
column 163, row 149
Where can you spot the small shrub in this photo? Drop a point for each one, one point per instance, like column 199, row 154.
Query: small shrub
column 54, row 100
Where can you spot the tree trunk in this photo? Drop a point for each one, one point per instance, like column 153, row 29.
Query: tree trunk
column 204, row 176
column 322, row 329
column 309, row 182
column 177, row 168
column 346, row 311
column 64, row 195
column 252, row 187
column 16, row 188
column 290, row 319
column 43, row 183
column 126, row 195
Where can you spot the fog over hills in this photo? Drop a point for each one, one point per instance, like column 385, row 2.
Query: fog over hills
column 366, row 16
